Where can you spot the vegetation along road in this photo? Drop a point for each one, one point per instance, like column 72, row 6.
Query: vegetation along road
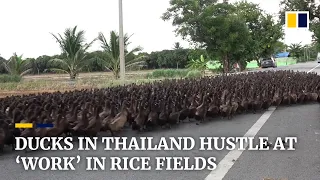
column 301, row 121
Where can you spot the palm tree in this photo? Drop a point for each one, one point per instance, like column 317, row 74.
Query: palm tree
column 74, row 52
column 17, row 66
column 176, row 46
column 2, row 66
column 296, row 50
column 112, row 52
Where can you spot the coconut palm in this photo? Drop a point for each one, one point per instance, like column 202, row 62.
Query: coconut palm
column 16, row 65
column 112, row 51
column 2, row 66
column 296, row 50
column 176, row 46
column 74, row 52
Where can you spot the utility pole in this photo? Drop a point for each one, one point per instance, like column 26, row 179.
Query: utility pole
column 121, row 43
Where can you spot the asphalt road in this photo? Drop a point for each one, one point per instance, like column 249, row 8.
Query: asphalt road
column 301, row 121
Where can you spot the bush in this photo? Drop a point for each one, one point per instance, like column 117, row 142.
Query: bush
column 168, row 73
column 194, row 74
column 9, row 78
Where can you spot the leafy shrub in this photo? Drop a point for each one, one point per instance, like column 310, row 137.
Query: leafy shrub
column 200, row 64
column 9, row 78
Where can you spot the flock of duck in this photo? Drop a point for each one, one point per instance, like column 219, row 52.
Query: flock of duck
column 148, row 106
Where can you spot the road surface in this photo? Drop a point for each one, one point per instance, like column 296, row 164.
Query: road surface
column 301, row 121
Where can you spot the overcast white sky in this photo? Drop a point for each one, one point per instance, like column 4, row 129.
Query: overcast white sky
column 26, row 25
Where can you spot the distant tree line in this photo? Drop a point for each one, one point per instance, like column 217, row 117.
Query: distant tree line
column 175, row 58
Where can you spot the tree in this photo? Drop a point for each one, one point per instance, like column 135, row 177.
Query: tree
column 304, row 5
column 42, row 64
column 280, row 47
column 296, row 50
column 313, row 49
column 212, row 25
column 96, row 64
column 272, row 33
column 315, row 28
column 112, row 52
column 74, row 52
column 176, row 58
column 177, row 45
column 2, row 67
column 265, row 32
column 17, row 66
column 300, row 5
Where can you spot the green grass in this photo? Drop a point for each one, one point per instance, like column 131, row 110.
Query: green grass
column 42, row 85
column 253, row 64
column 6, row 78
column 174, row 73
column 194, row 74
column 168, row 73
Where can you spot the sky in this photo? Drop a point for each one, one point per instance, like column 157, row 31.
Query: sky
column 26, row 25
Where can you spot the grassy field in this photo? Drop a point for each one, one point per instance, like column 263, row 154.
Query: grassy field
column 60, row 82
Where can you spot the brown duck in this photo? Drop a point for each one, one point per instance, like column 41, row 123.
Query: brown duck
column 201, row 110
column 120, row 119
column 139, row 122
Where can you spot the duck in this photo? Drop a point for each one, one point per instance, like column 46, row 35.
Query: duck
column 184, row 110
column 301, row 96
column 266, row 100
column 139, row 122
column 153, row 116
column 79, row 128
column 95, row 125
column 243, row 106
column 276, row 100
column 106, row 110
column 286, row 99
column 120, row 119
column 173, row 116
column 2, row 139
column 57, row 130
column 213, row 109
column 257, row 103
column 106, row 121
column 163, row 115
column 132, row 110
column 193, row 107
column 293, row 96
column 225, row 107
column 202, row 109
column 234, row 105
